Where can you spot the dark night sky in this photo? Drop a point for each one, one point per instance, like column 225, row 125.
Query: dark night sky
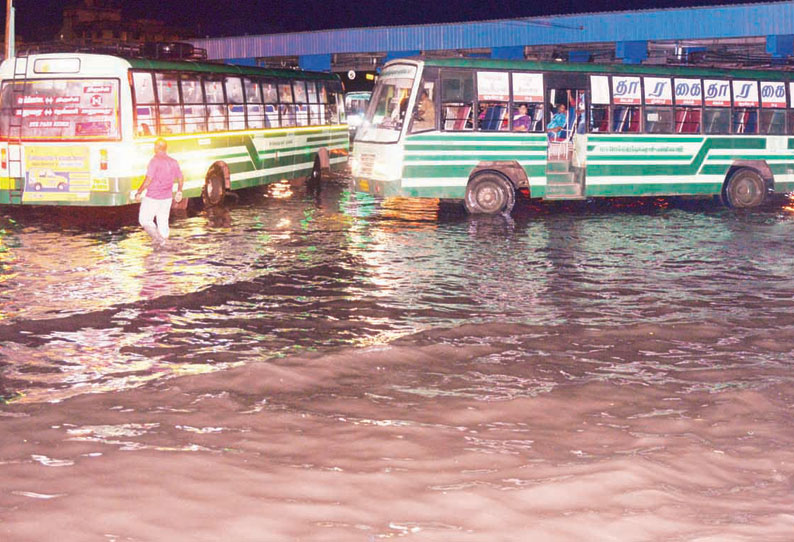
column 235, row 17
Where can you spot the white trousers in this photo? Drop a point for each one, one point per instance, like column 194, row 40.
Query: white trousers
column 151, row 210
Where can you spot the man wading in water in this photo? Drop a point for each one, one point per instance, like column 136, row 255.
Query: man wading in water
column 159, row 185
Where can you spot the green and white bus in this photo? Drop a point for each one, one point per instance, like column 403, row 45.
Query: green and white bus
column 78, row 129
column 476, row 130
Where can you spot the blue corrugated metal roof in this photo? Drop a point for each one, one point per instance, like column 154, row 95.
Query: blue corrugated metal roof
column 711, row 22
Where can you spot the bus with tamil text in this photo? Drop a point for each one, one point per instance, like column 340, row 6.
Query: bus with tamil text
column 78, row 129
column 479, row 131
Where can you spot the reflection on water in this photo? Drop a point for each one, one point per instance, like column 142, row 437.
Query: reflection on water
column 354, row 369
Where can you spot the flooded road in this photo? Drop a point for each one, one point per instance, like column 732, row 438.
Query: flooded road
column 331, row 367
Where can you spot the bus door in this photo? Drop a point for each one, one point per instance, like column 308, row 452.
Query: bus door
column 567, row 95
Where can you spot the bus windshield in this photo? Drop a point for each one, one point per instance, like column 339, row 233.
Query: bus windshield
column 386, row 111
column 61, row 109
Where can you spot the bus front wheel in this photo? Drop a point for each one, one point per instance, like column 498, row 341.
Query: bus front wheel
column 745, row 188
column 489, row 193
column 214, row 187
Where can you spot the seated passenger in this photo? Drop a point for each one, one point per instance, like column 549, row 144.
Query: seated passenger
column 521, row 119
column 556, row 128
column 425, row 118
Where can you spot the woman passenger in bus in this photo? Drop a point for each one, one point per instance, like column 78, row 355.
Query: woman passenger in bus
column 556, row 128
column 521, row 119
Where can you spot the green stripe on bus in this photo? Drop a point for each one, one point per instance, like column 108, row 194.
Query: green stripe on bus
column 473, row 148
column 653, row 189
column 637, row 139
column 478, row 157
column 476, row 137
column 640, row 158
column 676, row 169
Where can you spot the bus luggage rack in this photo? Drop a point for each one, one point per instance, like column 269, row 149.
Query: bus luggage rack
column 172, row 50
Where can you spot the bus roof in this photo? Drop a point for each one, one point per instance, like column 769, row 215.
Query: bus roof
column 683, row 71
column 211, row 67
column 93, row 62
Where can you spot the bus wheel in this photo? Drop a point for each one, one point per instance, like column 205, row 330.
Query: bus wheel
column 489, row 193
column 62, row 187
column 37, row 187
column 214, row 187
column 744, row 189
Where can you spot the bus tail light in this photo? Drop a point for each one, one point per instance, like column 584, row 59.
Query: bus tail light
column 3, row 158
column 103, row 159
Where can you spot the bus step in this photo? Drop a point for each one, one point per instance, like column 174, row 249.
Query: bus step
column 558, row 166
column 564, row 191
column 560, row 177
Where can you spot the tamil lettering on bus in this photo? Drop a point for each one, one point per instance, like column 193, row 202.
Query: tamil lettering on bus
column 658, row 91
column 626, row 90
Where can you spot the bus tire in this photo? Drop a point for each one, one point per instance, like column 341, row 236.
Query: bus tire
column 37, row 187
column 744, row 189
column 214, row 187
column 61, row 187
column 489, row 193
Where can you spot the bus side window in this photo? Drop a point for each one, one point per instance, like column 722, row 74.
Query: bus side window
column 717, row 120
column 270, row 97
column 626, row 119
column 301, row 108
column 254, row 111
column 457, row 101
column 169, row 109
column 193, row 100
column 773, row 121
column 745, row 120
column 216, row 109
column 658, row 120
column 599, row 118
column 315, row 116
column 687, row 120
column 334, row 111
column 234, row 97
column 145, row 118
column 492, row 116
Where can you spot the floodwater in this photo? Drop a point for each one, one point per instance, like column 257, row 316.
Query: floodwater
column 334, row 368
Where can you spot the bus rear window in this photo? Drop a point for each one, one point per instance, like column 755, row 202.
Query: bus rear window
column 60, row 109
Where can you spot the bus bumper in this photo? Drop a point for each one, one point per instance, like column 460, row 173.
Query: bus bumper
column 378, row 188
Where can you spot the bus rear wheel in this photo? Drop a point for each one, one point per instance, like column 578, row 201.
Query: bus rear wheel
column 214, row 187
column 489, row 193
column 744, row 189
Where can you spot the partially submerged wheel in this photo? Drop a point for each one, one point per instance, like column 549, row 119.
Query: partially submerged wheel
column 744, row 189
column 214, row 187
column 490, row 193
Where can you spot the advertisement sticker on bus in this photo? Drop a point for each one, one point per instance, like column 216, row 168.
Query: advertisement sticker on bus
column 493, row 86
column 626, row 90
column 688, row 91
column 773, row 94
column 528, row 87
column 717, row 93
column 658, row 91
column 745, row 93
column 57, row 173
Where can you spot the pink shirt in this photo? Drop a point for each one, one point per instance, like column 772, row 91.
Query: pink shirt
column 163, row 171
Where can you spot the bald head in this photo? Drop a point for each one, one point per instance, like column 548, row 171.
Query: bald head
column 160, row 146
